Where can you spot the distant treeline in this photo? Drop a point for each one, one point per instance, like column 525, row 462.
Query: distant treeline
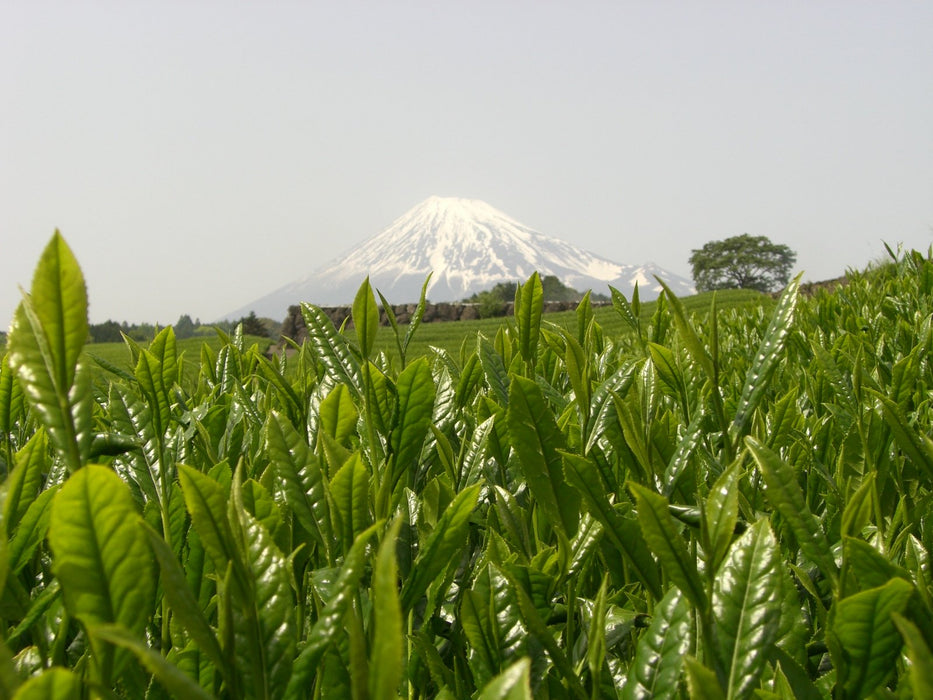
column 494, row 302
column 184, row 327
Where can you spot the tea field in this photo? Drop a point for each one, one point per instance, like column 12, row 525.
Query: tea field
column 726, row 500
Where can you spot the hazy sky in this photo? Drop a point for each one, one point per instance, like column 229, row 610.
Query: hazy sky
column 197, row 155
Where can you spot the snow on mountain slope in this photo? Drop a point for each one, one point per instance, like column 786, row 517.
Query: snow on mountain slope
column 469, row 246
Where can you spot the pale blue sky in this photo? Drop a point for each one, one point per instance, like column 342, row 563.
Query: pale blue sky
column 197, row 155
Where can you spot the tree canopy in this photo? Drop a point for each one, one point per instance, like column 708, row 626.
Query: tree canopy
column 742, row 262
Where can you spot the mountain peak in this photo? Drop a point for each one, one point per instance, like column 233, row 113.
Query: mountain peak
column 469, row 246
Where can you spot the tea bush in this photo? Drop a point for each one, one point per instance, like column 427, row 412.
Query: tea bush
column 732, row 504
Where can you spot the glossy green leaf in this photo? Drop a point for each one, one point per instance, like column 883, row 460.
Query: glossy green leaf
column 912, row 443
column 329, row 623
column 12, row 407
column 688, row 334
column 54, row 683
column 169, row 676
column 184, row 605
column 350, row 495
column 338, row 414
column 100, row 553
column 497, row 376
column 864, row 628
column 786, row 496
column 130, row 415
column 623, row 532
column 921, row 658
column 415, row 387
column 442, row 544
column 265, row 627
column 746, row 617
column 365, row 318
column 529, row 304
column 665, row 364
column 31, row 530
column 536, row 438
column 206, row 501
column 539, row 629
column 332, row 349
column 681, row 460
column 766, row 359
column 46, row 338
column 867, row 566
column 596, row 633
column 720, row 515
column 151, row 381
column 24, row 482
column 659, row 656
column 300, row 478
column 858, row 510
column 514, row 683
column 668, row 546
column 702, row 683
column 386, row 662
column 471, row 468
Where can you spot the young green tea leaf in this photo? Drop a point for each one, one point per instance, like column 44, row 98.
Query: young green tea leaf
column 668, row 546
column 365, row 318
column 445, row 540
column 746, row 618
column 386, row 662
column 46, row 338
column 766, row 359
column 169, row 676
column 659, row 655
column 865, row 629
column 100, row 552
column 536, row 438
column 514, row 683
column 56, row 682
column 921, row 658
column 785, row 495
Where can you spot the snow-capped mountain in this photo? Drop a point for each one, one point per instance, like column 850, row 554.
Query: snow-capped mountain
column 469, row 246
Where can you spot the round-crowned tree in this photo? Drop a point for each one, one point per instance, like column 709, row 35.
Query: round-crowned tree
column 742, row 262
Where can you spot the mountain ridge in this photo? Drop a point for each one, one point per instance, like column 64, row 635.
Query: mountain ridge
column 469, row 246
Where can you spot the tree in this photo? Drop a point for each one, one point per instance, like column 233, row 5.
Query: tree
column 252, row 325
column 184, row 327
column 742, row 262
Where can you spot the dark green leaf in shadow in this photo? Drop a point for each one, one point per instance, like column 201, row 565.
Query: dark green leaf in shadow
column 169, row 676
column 621, row 529
column 668, row 546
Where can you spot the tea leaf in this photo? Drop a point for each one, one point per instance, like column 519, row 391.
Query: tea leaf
column 865, row 629
column 536, row 439
column 100, row 553
column 668, row 546
column 659, row 656
column 365, row 318
column 386, row 663
column 746, row 588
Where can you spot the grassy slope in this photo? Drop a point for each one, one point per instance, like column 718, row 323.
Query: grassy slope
column 451, row 335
